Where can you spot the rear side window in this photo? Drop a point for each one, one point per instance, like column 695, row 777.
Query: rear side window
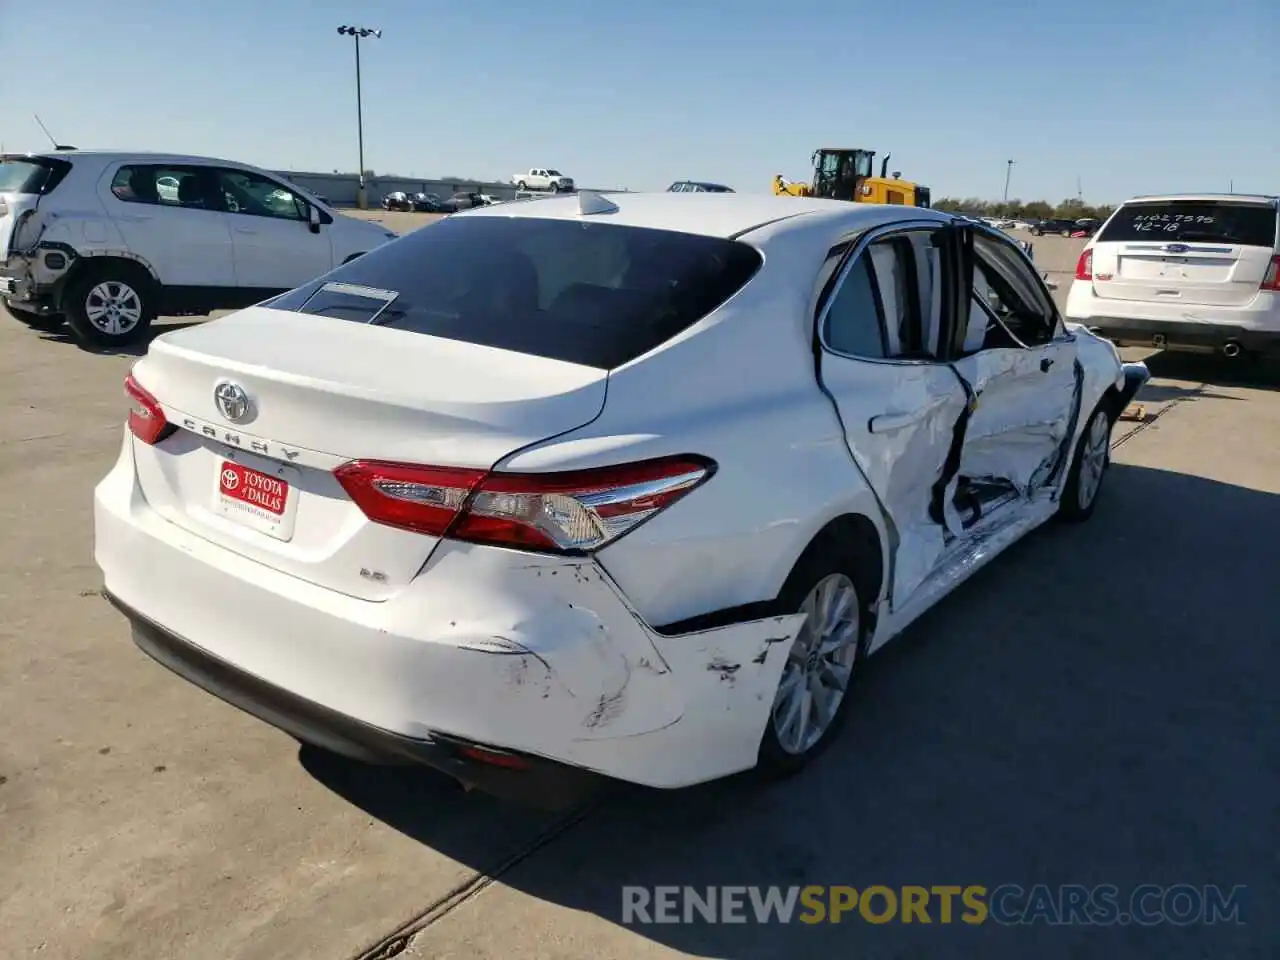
column 166, row 186
column 38, row 175
column 1211, row 221
column 594, row 294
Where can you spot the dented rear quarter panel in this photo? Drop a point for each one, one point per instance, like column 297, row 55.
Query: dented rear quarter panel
column 738, row 388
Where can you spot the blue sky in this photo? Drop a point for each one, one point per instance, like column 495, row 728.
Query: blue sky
column 1134, row 97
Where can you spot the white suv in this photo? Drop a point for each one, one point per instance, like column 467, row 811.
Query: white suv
column 109, row 241
column 1196, row 273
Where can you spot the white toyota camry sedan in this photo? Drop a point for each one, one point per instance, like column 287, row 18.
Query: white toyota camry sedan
column 623, row 486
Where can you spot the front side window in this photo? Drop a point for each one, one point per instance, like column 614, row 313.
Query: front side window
column 1009, row 297
column 185, row 187
column 595, row 294
column 257, row 196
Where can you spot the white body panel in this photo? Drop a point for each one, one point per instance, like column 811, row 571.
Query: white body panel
column 565, row 657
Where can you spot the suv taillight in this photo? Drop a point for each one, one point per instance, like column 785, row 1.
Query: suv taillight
column 1271, row 280
column 146, row 420
column 1084, row 266
column 573, row 512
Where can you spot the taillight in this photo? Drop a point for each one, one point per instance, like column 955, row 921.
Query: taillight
column 1271, row 281
column 572, row 512
column 1084, row 266
column 146, row 420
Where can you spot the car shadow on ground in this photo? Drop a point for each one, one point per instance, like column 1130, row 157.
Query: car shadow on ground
column 1096, row 707
column 1214, row 370
column 63, row 335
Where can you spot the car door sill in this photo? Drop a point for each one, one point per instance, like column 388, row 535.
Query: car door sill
column 964, row 556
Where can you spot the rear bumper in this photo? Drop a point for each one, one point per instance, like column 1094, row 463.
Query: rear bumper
column 538, row 655
column 513, row 776
column 1182, row 336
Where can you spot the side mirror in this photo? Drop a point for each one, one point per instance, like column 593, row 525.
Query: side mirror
column 313, row 217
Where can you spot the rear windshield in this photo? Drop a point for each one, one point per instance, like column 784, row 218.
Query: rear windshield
column 1211, row 221
column 28, row 175
column 593, row 293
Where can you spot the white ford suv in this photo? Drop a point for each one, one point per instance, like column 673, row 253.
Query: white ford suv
column 1195, row 273
column 109, row 241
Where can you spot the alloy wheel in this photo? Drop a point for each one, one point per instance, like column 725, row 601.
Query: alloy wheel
column 819, row 666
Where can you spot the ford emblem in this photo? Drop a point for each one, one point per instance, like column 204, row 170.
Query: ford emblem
column 1176, row 248
column 232, row 402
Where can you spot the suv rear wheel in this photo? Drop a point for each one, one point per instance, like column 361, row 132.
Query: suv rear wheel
column 110, row 305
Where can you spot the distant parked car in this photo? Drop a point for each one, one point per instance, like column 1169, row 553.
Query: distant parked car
column 428, row 203
column 1061, row 226
column 698, row 186
column 465, row 200
column 399, row 200
column 1190, row 272
column 543, row 178
column 109, row 241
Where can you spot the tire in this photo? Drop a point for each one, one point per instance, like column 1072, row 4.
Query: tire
column 45, row 322
column 1088, row 468
column 522, row 185
column 113, row 294
column 783, row 749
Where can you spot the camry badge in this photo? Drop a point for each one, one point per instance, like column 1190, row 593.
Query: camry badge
column 232, row 402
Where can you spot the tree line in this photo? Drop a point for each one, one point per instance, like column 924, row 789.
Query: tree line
column 1069, row 209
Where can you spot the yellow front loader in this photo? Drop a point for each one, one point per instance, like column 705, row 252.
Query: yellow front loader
column 844, row 173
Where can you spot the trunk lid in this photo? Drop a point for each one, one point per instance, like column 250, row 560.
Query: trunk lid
column 320, row 392
column 1194, row 251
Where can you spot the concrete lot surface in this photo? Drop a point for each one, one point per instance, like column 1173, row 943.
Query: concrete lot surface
column 1096, row 707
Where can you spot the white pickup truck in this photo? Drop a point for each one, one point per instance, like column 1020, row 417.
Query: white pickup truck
column 543, row 178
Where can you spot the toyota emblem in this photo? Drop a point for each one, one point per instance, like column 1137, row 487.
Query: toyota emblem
column 232, row 402
column 230, row 479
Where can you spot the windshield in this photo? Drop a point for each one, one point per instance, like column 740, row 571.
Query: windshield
column 594, row 294
column 553, row 173
column 1213, row 221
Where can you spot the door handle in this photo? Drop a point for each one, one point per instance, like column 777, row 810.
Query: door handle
column 245, row 230
column 1045, row 364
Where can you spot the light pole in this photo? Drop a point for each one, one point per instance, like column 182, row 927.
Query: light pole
column 356, row 33
column 1008, row 172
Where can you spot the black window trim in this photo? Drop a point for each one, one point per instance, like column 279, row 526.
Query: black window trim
column 857, row 245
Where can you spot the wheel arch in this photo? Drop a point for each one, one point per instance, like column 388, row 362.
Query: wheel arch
column 121, row 259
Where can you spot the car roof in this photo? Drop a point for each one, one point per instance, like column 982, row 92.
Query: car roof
column 727, row 215
column 1239, row 197
column 108, row 156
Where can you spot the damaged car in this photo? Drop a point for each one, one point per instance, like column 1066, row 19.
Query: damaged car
column 624, row 487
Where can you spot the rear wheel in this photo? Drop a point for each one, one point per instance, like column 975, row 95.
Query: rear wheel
column 110, row 305
column 522, row 185
column 813, row 695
